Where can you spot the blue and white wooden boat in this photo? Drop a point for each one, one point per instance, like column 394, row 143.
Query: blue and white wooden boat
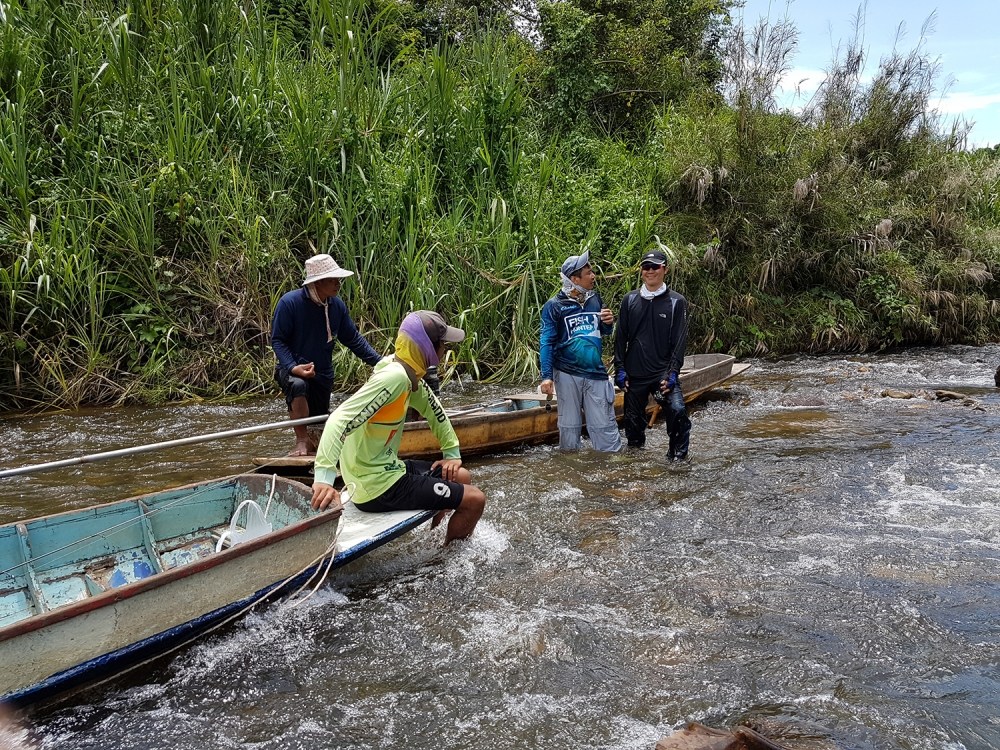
column 87, row 593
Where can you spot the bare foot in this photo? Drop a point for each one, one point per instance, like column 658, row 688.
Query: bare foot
column 301, row 449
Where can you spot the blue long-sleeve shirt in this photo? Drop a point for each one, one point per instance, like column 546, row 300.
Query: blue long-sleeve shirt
column 298, row 334
column 571, row 337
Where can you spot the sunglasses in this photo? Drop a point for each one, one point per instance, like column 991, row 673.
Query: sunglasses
column 651, row 266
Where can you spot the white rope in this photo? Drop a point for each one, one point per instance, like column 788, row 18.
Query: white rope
column 274, row 486
column 236, row 615
column 291, row 602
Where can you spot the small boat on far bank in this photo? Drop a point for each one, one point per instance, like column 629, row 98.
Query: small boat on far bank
column 522, row 419
column 87, row 593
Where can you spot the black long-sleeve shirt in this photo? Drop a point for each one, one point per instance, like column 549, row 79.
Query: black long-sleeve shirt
column 651, row 336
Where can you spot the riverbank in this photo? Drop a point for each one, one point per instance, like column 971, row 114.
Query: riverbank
column 166, row 171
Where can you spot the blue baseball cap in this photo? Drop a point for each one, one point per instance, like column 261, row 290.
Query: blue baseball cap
column 574, row 263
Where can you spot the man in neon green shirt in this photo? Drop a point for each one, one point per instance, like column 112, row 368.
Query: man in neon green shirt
column 365, row 431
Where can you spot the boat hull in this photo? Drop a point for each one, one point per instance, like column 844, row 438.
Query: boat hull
column 34, row 656
column 525, row 419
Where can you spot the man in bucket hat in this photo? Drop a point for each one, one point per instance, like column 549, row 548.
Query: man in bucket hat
column 306, row 323
column 649, row 353
column 573, row 324
column 364, row 433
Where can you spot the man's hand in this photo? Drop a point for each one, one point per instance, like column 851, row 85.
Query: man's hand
column 607, row 316
column 325, row 496
column 306, row 371
column 621, row 380
column 548, row 387
column 668, row 383
column 449, row 468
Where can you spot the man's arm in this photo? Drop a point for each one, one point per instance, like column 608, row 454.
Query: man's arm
column 607, row 318
column 349, row 336
column 282, row 328
column 548, row 339
column 678, row 337
column 429, row 407
column 441, row 428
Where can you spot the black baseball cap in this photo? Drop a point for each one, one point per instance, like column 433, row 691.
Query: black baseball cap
column 655, row 256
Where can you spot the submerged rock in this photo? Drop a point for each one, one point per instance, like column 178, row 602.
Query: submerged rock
column 941, row 395
column 935, row 395
column 811, row 401
column 964, row 400
column 697, row 736
column 894, row 393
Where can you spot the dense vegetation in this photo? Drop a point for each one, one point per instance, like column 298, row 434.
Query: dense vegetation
column 166, row 166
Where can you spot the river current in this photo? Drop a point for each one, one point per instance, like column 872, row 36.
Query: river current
column 826, row 568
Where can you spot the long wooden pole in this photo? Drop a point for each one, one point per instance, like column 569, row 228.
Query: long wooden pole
column 158, row 446
column 473, row 409
column 194, row 439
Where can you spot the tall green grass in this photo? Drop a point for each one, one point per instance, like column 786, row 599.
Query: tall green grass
column 846, row 227
column 166, row 166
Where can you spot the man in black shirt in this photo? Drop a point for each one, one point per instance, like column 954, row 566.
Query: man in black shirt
column 649, row 353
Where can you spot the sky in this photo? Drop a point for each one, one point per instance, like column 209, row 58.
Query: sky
column 963, row 35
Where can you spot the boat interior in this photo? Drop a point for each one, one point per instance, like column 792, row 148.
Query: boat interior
column 53, row 561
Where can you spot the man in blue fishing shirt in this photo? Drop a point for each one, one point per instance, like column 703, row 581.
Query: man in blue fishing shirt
column 573, row 324
column 306, row 322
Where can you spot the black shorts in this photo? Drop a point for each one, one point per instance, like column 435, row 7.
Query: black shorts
column 317, row 395
column 418, row 489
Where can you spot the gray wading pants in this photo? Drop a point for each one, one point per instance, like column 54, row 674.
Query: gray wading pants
column 593, row 400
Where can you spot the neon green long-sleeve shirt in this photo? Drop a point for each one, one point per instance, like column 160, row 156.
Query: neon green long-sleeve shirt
column 364, row 432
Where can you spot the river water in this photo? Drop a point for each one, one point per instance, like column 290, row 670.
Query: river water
column 826, row 568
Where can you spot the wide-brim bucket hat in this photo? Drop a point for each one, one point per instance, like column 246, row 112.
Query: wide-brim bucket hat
column 323, row 266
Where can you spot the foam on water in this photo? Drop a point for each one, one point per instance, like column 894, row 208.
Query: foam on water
column 827, row 561
column 965, row 510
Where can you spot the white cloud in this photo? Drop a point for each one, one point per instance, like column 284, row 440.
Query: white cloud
column 967, row 77
column 982, row 111
column 801, row 83
column 963, row 102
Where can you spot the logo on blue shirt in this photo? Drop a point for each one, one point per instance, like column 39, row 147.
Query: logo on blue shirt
column 583, row 324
